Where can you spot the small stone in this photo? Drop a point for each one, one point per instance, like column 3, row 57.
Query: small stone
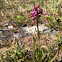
column 10, row 27
column 0, row 32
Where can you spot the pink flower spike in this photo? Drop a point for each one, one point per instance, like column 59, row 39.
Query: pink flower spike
column 36, row 10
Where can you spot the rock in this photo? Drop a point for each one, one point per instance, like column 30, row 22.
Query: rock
column 0, row 32
column 5, row 36
column 33, row 29
column 10, row 27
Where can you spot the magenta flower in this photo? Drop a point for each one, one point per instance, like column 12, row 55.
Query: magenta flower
column 33, row 13
column 36, row 11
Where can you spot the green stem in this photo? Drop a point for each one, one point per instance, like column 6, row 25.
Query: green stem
column 38, row 33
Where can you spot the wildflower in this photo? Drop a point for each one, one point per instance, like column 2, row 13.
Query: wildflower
column 36, row 11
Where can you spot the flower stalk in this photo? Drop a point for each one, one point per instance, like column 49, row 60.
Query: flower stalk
column 36, row 12
column 38, row 33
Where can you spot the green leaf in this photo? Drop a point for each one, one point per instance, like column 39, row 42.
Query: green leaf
column 54, row 57
column 42, row 55
column 54, row 4
column 43, row 17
